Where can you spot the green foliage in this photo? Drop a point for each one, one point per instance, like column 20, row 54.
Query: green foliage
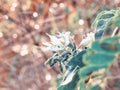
column 99, row 58
column 76, row 61
column 70, row 85
column 104, row 20
column 109, row 45
column 58, row 58
column 116, row 20
column 71, row 76
column 117, row 23
column 82, row 64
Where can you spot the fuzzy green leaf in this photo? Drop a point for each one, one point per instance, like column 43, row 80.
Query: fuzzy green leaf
column 102, row 22
column 99, row 59
column 85, row 71
column 117, row 23
column 71, row 85
column 75, row 61
column 89, row 69
column 107, row 45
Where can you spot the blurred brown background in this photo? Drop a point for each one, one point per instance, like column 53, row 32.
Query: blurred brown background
column 23, row 28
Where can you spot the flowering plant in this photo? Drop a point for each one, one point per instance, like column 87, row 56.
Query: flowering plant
column 83, row 67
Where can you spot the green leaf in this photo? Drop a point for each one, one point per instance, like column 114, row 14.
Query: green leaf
column 102, row 22
column 76, row 61
column 58, row 58
column 73, row 48
column 65, row 55
column 71, row 85
column 98, row 59
column 61, row 67
column 99, row 34
column 107, row 45
column 116, row 20
column 83, row 72
column 107, row 16
column 117, row 23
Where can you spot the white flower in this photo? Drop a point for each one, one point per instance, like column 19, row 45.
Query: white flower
column 58, row 43
column 88, row 40
column 65, row 37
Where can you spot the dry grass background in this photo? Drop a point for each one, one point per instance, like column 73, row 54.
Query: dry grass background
column 22, row 54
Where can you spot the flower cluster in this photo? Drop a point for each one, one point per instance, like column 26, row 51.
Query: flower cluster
column 62, row 40
column 59, row 42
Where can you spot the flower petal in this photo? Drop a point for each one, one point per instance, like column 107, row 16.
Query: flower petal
column 54, row 39
column 88, row 40
column 66, row 37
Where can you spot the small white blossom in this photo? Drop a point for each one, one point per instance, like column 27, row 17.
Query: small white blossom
column 54, row 40
column 65, row 37
column 88, row 40
column 58, row 43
